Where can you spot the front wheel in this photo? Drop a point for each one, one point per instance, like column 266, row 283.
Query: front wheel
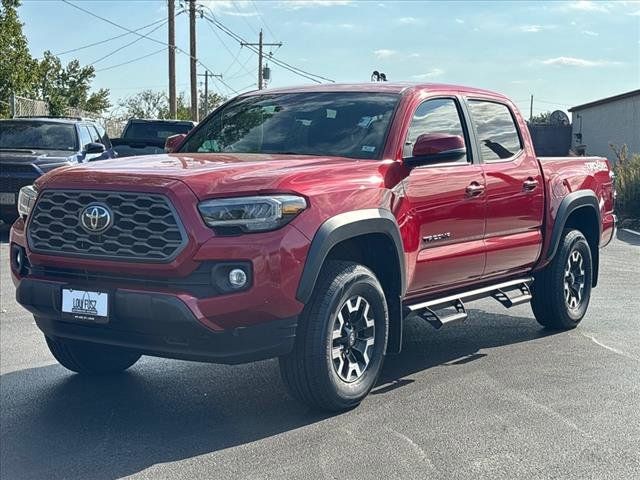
column 90, row 358
column 561, row 291
column 341, row 339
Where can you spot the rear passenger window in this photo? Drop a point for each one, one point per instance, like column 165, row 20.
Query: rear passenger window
column 434, row 116
column 85, row 136
column 496, row 130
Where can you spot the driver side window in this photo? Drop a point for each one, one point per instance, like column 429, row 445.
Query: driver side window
column 436, row 116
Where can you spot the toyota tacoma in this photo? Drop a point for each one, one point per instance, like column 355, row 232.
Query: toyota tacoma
column 307, row 224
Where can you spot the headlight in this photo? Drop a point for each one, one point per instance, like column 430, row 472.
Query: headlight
column 251, row 214
column 26, row 199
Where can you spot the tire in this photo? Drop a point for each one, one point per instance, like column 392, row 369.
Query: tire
column 90, row 358
column 559, row 303
column 337, row 334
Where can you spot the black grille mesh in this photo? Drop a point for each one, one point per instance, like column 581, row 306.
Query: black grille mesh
column 145, row 226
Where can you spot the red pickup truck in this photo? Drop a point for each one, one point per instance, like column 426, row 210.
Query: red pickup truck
column 306, row 224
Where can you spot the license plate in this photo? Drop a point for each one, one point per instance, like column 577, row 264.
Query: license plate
column 85, row 305
column 7, row 198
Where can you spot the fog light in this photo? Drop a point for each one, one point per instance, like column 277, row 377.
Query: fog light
column 237, row 278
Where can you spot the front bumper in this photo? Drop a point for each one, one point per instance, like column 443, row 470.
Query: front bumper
column 156, row 324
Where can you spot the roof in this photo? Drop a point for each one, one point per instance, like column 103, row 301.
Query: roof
column 70, row 120
column 161, row 120
column 383, row 87
column 603, row 101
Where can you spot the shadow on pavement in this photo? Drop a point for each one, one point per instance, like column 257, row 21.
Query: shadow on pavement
column 4, row 232
column 55, row 424
column 627, row 237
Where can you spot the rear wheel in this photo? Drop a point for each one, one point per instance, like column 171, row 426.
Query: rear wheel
column 561, row 291
column 90, row 358
column 341, row 339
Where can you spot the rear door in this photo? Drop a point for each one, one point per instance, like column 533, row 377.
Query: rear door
column 447, row 201
column 514, row 188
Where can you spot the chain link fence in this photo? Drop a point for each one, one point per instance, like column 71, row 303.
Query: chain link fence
column 27, row 107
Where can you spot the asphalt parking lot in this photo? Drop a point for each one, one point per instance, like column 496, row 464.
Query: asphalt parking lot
column 497, row 397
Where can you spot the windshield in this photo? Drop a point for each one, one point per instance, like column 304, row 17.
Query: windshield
column 36, row 135
column 158, row 130
column 347, row 124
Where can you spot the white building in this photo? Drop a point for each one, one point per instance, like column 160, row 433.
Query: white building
column 613, row 120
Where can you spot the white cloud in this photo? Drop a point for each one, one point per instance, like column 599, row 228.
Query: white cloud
column 414, row 55
column 237, row 8
column 408, row 20
column 459, row 20
column 535, row 28
column 298, row 4
column 577, row 62
column 634, row 14
column 591, row 33
column 588, row 6
column 434, row 72
column 384, row 53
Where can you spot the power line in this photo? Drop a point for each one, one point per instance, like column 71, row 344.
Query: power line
column 108, row 39
column 131, row 61
column 255, row 7
column 164, row 44
column 281, row 63
column 128, row 44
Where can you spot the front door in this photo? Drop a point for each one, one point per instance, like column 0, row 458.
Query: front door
column 447, row 201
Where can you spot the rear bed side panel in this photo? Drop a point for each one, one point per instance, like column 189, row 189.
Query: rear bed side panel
column 582, row 182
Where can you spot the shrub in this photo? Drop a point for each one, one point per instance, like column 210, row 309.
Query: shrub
column 627, row 171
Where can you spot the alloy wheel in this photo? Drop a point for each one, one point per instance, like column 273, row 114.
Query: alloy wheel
column 353, row 337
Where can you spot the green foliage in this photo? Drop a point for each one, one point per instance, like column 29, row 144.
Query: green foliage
column 541, row 118
column 155, row 104
column 627, row 171
column 68, row 86
column 47, row 79
column 17, row 68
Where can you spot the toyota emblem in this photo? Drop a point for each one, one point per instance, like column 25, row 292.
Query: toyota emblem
column 96, row 218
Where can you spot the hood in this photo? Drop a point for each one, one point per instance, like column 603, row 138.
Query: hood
column 41, row 158
column 209, row 175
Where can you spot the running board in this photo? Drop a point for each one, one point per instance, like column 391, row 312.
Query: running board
column 514, row 292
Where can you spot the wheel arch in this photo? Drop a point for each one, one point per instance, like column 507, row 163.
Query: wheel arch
column 580, row 211
column 361, row 236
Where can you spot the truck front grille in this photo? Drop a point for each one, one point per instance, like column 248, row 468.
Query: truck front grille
column 144, row 226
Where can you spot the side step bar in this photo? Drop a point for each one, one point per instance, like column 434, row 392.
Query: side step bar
column 508, row 294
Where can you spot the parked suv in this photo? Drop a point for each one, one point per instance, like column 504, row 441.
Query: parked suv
column 306, row 224
column 32, row 146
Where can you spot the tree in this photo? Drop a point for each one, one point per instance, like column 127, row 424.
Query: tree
column 145, row 104
column 541, row 118
column 68, row 86
column 48, row 79
column 155, row 104
column 17, row 67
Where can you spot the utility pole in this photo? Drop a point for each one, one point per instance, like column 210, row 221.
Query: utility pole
column 260, row 46
column 173, row 107
column 206, row 76
column 531, row 110
column 192, row 53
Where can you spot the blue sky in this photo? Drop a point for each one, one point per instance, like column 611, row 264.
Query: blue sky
column 563, row 52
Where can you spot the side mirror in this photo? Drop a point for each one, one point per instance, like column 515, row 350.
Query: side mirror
column 436, row 147
column 94, row 147
column 173, row 142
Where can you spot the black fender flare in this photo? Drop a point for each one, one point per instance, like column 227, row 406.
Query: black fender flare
column 569, row 204
column 343, row 227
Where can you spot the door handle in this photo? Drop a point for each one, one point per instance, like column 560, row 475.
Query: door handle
column 474, row 189
column 530, row 184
